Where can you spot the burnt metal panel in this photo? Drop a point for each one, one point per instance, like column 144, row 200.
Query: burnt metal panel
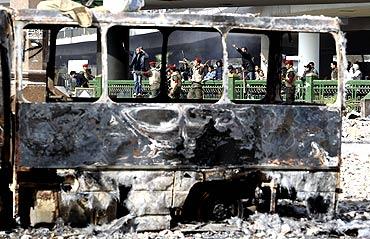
column 245, row 21
column 6, row 167
column 67, row 135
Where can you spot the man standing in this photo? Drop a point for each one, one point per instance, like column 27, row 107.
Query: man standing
column 175, row 83
column 71, row 81
column 289, row 80
column 309, row 70
column 313, row 69
column 138, row 67
column 247, row 61
column 154, row 79
column 219, row 70
column 196, row 91
column 84, row 76
column 334, row 71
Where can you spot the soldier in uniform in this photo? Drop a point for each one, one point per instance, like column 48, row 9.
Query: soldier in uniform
column 154, row 79
column 196, row 91
column 289, row 81
column 175, row 83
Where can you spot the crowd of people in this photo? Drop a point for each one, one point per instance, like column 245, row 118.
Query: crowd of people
column 197, row 73
column 194, row 71
column 289, row 75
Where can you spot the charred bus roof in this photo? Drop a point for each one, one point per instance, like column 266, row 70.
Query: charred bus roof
column 230, row 21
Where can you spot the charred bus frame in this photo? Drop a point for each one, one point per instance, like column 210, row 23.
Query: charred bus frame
column 161, row 161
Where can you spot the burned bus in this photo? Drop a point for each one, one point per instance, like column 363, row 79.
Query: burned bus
column 158, row 160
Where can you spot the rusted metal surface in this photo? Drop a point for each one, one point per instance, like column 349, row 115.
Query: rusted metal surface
column 78, row 135
column 97, row 197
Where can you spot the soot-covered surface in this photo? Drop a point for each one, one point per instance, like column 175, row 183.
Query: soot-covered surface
column 78, row 135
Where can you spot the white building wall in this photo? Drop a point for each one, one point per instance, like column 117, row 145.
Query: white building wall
column 308, row 50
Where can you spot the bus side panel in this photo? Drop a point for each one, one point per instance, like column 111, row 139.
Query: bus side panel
column 71, row 135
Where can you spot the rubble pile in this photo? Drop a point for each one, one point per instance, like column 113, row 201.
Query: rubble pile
column 355, row 129
column 351, row 221
column 355, row 159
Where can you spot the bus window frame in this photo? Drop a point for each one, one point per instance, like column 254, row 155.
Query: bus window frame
column 223, row 23
column 19, row 43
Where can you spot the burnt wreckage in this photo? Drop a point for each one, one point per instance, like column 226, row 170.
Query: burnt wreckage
column 157, row 160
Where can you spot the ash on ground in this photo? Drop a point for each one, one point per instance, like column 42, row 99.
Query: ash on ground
column 351, row 221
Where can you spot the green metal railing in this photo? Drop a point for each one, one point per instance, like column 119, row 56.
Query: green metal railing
column 311, row 90
column 355, row 91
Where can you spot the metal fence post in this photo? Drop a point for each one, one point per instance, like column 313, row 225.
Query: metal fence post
column 98, row 86
column 309, row 94
column 231, row 88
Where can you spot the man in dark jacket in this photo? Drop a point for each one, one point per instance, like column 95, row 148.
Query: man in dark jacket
column 247, row 61
column 138, row 67
column 219, row 70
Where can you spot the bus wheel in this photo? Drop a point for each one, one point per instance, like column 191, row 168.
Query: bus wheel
column 216, row 207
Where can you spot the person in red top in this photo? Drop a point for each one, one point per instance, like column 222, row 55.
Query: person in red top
column 289, row 81
column 84, row 76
